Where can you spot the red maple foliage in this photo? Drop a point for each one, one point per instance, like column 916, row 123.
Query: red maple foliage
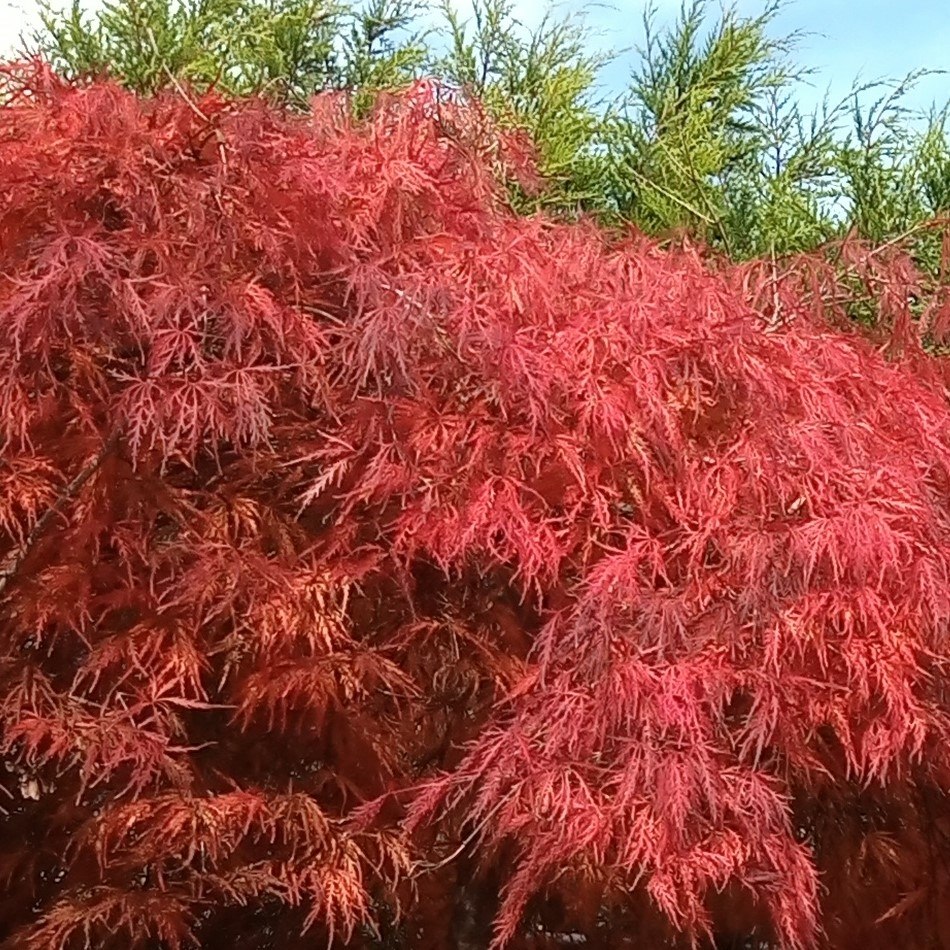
column 369, row 550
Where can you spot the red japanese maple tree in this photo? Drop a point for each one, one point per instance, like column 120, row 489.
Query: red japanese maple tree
column 371, row 551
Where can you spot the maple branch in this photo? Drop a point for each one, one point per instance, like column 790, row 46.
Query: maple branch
column 9, row 570
column 921, row 226
column 466, row 841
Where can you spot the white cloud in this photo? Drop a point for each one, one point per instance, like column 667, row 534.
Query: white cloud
column 16, row 18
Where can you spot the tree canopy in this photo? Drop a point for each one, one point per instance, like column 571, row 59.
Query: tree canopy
column 380, row 563
column 444, row 505
column 707, row 137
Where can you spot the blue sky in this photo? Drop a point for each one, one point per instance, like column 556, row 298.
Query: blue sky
column 843, row 40
column 872, row 39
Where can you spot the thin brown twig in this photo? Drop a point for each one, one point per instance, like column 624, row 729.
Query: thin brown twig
column 174, row 81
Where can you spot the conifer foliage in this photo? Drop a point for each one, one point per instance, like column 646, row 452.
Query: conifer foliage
column 374, row 558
